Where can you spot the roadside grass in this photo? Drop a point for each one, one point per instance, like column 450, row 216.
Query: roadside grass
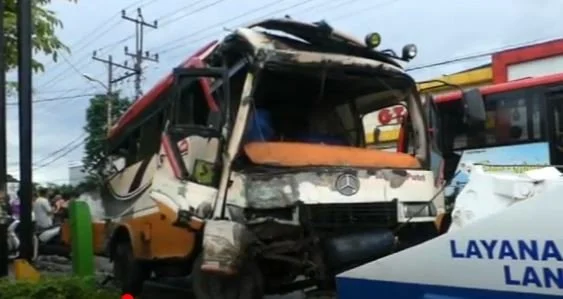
column 56, row 287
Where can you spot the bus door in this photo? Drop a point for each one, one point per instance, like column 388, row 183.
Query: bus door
column 554, row 108
column 197, row 115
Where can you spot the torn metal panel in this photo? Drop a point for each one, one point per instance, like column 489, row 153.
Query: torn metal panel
column 279, row 190
column 224, row 244
column 234, row 144
column 304, row 30
column 275, row 48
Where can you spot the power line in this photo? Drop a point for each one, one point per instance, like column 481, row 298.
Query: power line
column 480, row 54
column 192, row 12
column 56, row 98
column 327, row 8
column 59, row 91
column 89, row 36
column 176, row 10
column 184, row 42
column 67, row 152
column 116, row 43
column 356, row 12
column 244, row 14
column 83, row 58
column 46, row 157
column 81, row 136
column 113, row 44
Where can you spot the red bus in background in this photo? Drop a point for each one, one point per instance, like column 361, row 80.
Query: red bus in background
column 524, row 126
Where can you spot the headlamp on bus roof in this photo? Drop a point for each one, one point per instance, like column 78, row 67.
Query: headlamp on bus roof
column 373, row 40
column 409, row 52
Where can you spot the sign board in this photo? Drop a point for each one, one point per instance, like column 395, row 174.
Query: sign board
column 517, row 253
column 510, row 159
column 383, row 126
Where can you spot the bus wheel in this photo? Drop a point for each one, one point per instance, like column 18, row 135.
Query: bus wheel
column 129, row 273
column 247, row 284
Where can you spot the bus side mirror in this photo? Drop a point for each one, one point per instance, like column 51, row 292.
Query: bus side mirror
column 474, row 108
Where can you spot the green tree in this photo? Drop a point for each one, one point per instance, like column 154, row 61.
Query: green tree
column 10, row 179
column 44, row 40
column 96, row 128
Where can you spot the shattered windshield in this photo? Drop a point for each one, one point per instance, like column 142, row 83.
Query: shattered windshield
column 320, row 108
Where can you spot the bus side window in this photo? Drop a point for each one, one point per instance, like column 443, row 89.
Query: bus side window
column 150, row 131
column 133, row 144
column 558, row 122
column 191, row 107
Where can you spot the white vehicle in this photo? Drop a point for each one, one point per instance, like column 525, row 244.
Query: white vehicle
column 504, row 242
column 251, row 161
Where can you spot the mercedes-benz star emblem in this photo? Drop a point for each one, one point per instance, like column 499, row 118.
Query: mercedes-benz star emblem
column 347, row 184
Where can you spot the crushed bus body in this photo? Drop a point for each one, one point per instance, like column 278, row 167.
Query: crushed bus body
column 248, row 166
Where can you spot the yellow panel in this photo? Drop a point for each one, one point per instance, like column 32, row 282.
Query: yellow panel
column 384, row 136
column 24, row 271
column 473, row 77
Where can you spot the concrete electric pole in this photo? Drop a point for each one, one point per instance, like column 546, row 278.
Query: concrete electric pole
column 139, row 55
column 110, row 81
column 3, row 156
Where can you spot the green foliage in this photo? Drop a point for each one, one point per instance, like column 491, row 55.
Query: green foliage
column 44, row 39
column 55, row 288
column 68, row 191
column 10, row 179
column 96, row 128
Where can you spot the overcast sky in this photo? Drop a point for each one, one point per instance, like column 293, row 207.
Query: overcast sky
column 442, row 30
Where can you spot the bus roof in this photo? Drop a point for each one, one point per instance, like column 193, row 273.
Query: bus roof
column 153, row 94
column 502, row 87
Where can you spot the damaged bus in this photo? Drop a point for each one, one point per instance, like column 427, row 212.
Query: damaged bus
column 248, row 167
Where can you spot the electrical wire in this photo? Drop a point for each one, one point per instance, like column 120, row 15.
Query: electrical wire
column 64, row 154
column 84, row 58
column 244, row 14
column 54, row 99
column 112, row 45
column 481, row 54
column 182, row 39
column 48, row 156
column 90, row 36
column 161, row 51
column 365, row 9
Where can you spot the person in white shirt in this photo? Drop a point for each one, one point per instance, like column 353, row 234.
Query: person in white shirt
column 43, row 211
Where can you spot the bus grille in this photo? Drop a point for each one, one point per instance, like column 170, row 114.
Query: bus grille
column 349, row 217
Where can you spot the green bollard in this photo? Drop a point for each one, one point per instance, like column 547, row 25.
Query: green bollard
column 81, row 239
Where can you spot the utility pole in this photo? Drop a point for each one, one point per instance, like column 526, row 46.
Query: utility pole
column 3, row 159
column 25, row 29
column 139, row 55
column 111, row 80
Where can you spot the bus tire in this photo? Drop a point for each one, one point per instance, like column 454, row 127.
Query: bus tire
column 129, row 273
column 247, row 284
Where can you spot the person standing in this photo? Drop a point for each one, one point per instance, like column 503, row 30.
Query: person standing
column 15, row 205
column 43, row 211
